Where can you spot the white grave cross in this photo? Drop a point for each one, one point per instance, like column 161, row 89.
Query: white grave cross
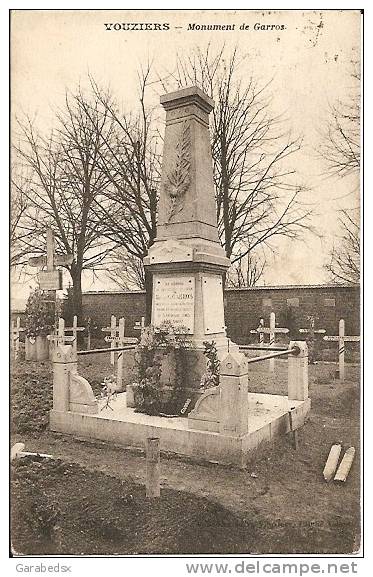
column 75, row 329
column 15, row 333
column 113, row 332
column 60, row 338
column 272, row 330
column 119, row 340
column 311, row 330
column 341, row 339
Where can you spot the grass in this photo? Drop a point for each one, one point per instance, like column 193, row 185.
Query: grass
column 91, row 499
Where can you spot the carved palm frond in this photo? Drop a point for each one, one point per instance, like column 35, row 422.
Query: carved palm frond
column 178, row 180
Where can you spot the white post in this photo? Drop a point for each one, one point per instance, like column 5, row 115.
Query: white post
column 272, row 326
column 261, row 336
column 298, row 372
column 113, row 325
column 341, row 350
column 89, row 334
column 120, row 354
column 152, row 467
column 61, row 331
column 50, row 249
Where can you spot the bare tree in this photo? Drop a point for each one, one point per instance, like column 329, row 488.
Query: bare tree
column 344, row 265
column 258, row 197
column 340, row 149
column 246, row 272
column 128, row 273
column 133, row 167
column 18, row 206
column 65, row 180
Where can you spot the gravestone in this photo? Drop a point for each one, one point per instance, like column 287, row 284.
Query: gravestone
column 187, row 261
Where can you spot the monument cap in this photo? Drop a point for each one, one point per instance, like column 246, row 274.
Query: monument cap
column 190, row 95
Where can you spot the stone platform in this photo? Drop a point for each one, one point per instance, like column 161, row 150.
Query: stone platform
column 267, row 418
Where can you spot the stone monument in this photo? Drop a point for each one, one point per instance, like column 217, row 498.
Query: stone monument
column 187, row 261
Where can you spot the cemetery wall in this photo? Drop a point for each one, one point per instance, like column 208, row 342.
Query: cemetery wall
column 244, row 308
column 292, row 305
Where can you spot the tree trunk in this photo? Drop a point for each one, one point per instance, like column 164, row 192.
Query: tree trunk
column 77, row 301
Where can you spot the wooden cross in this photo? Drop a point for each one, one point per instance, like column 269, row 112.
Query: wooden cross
column 75, row 329
column 113, row 331
column 16, row 329
column 311, row 330
column 341, row 339
column 259, row 331
column 51, row 279
column 60, row 338
column 118, row 340
column 272, row 330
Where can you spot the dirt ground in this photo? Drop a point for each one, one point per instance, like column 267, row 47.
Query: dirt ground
column 280, row 504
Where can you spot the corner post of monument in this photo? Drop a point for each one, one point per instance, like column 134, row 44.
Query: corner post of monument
column 234, row 403
column 298, row 372
column 64, row 359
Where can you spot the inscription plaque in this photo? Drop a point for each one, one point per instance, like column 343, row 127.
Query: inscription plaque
column 173, row 301
column 213, row 304
column 50, row 280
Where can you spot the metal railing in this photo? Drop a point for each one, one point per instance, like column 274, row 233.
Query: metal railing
column 282, row 353
column 107, row 350
column 276, row 351
column 261, row 348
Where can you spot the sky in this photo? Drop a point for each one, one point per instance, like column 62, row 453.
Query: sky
column 308, row 60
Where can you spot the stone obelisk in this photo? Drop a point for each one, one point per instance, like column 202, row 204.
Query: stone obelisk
column 187, row 261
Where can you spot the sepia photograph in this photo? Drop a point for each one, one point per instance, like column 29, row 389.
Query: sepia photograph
column 185, row 301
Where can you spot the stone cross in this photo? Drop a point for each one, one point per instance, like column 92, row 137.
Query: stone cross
column 341, row 339
column 50, row 279
column 16, row 329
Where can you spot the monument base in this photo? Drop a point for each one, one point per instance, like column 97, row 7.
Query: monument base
column 268, row 418
column 194, row 361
